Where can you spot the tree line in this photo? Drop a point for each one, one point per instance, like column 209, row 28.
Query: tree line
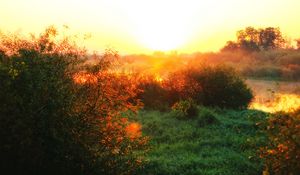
column 251, row 39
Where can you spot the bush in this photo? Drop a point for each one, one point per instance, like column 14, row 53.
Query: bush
column 206, row 117
column 282, row 154
column 220, row 86
column 58, row 116
column 152, row 94
column 185, row 109
column 179, row 87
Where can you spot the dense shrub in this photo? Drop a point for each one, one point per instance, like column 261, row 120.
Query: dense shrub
column 209, row 86
column 220, row 86
column 60, row 117
column 282, row 154
column 185, row 109
column 152, row 94
column 180, row 87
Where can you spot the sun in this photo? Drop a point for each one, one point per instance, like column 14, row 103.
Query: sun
column 161, row 37
column 160, row 25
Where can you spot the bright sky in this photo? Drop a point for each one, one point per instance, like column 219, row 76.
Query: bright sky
column 142, row 26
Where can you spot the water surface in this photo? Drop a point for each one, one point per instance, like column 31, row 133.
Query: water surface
column 274, row 96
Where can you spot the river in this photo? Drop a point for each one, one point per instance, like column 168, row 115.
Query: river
column 274, row 96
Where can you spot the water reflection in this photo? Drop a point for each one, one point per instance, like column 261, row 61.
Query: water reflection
column 281, row 102
column 271, row 96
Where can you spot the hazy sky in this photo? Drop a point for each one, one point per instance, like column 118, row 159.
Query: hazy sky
column 137, row 26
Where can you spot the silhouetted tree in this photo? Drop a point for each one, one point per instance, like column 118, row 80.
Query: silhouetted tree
column 297, row 44
column 271, row 38
column 230, row 46
column 248, row 34
column 249, row 46
column 251, row 39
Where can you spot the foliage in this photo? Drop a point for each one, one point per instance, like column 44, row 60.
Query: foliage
column 206, row 85
column 152, row 94
column 220, row 86
column 282, row 153
column 180, row 87
column 185, row 109
column 230, row 46
column 251, row 39
column 59, row 115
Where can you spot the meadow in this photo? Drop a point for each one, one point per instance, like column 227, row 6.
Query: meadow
column 226, row 146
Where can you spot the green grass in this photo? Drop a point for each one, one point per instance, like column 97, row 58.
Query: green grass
column 226, row 146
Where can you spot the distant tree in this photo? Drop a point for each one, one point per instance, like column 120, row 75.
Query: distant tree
column 249, row 34
column 230, row 46
column 271, row 38
column 249, row 46
column 298, row 44
column 252, row 40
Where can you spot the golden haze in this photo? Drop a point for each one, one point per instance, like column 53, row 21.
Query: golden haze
column 141, row 26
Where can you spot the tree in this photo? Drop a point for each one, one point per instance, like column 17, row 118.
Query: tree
column 249, row 34
column 230, row 46
column 249, row 46
column 253, row 40
column 59, row 115
column 297, row 44
column 271, row 38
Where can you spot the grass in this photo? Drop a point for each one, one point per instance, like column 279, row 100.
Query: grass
column 228, row 145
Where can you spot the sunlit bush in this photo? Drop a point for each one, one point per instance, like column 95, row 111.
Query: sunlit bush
column 206, row 85
column 59, row 115
column 180, row 87
column 282, row 154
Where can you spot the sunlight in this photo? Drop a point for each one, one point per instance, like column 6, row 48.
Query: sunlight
column 84, row 78
column 133, row 130
column 158, row 78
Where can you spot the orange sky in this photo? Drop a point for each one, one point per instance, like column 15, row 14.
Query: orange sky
column 142, row 26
